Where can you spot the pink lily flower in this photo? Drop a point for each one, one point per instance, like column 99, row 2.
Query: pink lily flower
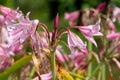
column 59, row 55
column 79, row 58
column 6, row 41
column 9, row 14
column 111, row 25
column 116, row 13
column 113, row 35
column 56, row 22
column 72, row 17
column 19, row 27
column 5, row 59
column 101, row 6
column 2, row 21
column 75, row 42
column 39, row 41
column 90, row 31
column 19, row 32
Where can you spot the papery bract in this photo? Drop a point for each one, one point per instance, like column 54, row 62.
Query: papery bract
column 75, row 42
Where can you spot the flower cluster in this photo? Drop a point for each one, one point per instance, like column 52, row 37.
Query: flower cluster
column 48, row 54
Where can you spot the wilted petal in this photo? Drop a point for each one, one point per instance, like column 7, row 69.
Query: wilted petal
column 72, row 17
column 75, row 42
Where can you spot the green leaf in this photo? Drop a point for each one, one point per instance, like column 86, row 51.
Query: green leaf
column 17, row 65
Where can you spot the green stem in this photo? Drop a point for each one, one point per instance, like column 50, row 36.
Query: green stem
column 77, row 75
column 99, row 75
column 95, row 70
column 103, row 73
column 53, row 65
column 89, row 58
column 32, row 72
column 17, row 65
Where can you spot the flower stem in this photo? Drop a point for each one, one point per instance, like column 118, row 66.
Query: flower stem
column 103, row 73
column 89, row 58
column 53, row 65
column 95, row 70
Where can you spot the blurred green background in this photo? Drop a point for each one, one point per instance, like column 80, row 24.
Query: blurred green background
column 46, row 10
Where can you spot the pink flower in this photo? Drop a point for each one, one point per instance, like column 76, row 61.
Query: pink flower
column 74, row 42
column 117, row 62
column 39, row 41
column 101, row 6
column 116, row 13
column 8, row 13
column 59, row 54
column 72, row 17
column 90, row 31
column 113, row 35
column 19, row 28
column 56, row 22
column 2, row 21
column 5, row 59
column 79, row 58
column 111, row 25
column 47, row 76
column 19, row 32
